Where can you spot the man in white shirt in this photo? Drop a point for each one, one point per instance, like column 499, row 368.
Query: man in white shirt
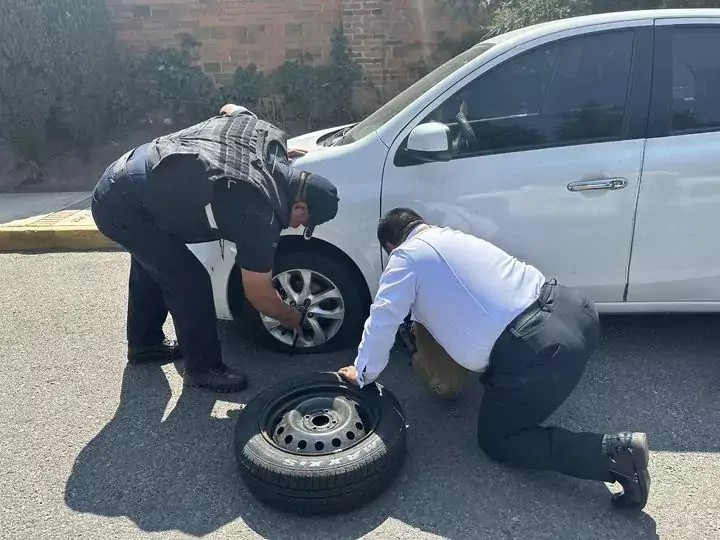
column 477, row 309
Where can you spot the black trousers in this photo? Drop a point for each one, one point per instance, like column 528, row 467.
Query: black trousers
column 164, row 274
column 534, row 366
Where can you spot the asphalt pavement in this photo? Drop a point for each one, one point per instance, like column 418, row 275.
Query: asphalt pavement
column 92, row 449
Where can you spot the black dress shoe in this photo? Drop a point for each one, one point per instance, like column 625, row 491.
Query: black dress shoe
column 222, row 379
column 162, row 353
column 628, row 457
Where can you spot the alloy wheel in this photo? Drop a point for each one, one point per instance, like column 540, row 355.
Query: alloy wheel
column 319, row 296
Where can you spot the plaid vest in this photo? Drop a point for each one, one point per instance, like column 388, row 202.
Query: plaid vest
column 227, row 149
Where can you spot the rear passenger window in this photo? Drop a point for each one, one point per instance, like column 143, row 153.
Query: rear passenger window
column 573, row 91
column 695, row 80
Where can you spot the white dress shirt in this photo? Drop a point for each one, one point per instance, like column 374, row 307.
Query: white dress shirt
column 463, row 289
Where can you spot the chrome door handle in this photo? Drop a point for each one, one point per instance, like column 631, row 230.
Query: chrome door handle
column 603, row 183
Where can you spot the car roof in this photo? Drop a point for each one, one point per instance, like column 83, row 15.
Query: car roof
column 551, row 27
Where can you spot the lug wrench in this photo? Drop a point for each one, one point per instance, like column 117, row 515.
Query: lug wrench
column 405, row 333
column 304, row 312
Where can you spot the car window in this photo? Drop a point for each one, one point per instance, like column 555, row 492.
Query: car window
column 524, row 81
column 566, row 92
column 695, row 80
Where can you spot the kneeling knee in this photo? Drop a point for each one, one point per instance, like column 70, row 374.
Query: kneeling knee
column 493, row 447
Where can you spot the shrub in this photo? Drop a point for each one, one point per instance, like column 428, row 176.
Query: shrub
column 64, row 81
column 54, row 76
column 168, row 81
column 298, row 91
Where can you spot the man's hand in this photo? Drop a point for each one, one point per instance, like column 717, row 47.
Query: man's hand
column 292, row 320
column 228, row 109
column 349, row 373
column 264, row 298
column 295, row 153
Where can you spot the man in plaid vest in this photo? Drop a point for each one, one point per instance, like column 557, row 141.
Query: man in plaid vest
column 225, row 178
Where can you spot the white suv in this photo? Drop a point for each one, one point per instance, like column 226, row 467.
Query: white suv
column 589, row 147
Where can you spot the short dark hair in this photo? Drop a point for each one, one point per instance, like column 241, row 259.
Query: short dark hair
column 395, row 225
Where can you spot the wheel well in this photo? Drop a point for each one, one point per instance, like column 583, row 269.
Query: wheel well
column 294, row 243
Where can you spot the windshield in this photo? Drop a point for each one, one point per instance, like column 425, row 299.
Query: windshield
column 410, row 94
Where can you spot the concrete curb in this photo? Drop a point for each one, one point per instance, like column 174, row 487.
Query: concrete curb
column 69, row 229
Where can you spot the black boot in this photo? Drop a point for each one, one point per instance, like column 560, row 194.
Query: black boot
column 162, row 353
column 628, row 457
column 221, row 379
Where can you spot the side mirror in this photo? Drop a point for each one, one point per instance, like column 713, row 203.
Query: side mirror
column 430, row 142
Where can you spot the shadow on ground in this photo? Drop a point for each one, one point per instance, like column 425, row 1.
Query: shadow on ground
column 658, row 374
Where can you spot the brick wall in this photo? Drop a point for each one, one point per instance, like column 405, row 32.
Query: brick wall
column 387, row 36
column 391, row 36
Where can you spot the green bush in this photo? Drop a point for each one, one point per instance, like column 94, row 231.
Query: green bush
column 512, row 14
column 64, row 81
column 56, row 76
column 300, row 92
column 167, row 81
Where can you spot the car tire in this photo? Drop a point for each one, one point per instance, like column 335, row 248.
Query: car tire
column 325, row 269
column 287, row 465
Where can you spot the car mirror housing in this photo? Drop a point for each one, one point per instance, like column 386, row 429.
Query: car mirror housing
column 430, row 142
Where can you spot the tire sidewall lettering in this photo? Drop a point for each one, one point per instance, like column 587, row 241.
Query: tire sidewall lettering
column 334, row 460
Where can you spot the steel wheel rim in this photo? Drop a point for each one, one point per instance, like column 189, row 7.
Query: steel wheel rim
column 318, row 421
column 323, row 300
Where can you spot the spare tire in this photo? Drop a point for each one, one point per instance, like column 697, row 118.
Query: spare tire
column 319, row 445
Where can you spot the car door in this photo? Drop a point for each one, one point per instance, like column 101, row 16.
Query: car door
column 675, row 256
column 552, row 172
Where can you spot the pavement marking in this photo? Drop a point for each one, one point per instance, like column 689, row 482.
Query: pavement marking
column 68, row 229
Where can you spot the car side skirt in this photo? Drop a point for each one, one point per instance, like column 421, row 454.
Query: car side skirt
column 657, row 307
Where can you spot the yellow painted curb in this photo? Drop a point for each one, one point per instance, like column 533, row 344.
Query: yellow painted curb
column 66, row 230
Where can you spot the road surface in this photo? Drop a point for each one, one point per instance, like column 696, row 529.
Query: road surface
column 92, row 449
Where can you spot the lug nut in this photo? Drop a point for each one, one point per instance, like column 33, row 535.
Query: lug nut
column 310, row 315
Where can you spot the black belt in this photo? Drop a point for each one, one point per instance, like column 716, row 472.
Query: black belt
column 533, row 309
column 130, row 166
column 133, row 162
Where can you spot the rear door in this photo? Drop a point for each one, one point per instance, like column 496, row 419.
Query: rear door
column 676, row 255
column 551, row 174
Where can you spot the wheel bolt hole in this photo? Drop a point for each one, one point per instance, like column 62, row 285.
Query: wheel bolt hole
column 350, row 435
column 280, row 430
column 359, row 426
column 321, row 420
column 319, row 446
column 302, row 445
column 336, row 443
column 288, row 439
